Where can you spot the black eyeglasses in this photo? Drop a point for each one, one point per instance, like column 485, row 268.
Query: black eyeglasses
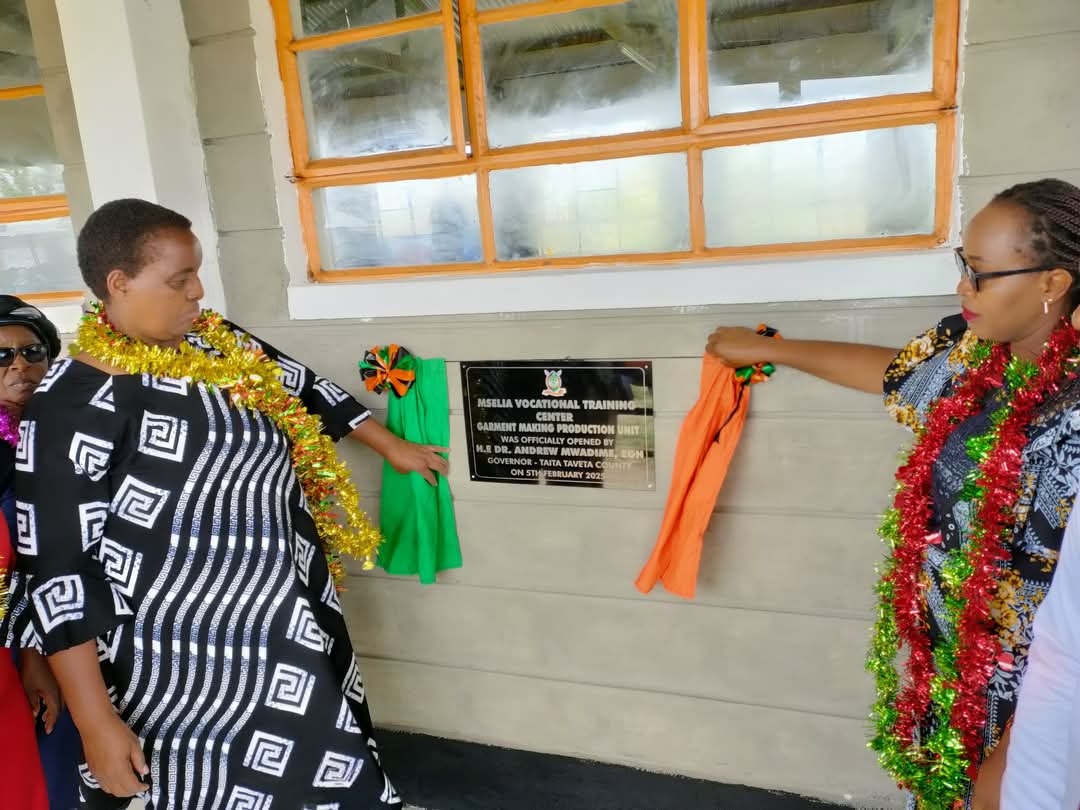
column 974, row 276
column 34, row 353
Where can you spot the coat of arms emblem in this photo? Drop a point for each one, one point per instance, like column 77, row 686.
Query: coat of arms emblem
column 553, row 380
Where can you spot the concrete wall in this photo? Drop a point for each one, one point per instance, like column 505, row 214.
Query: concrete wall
column 232, row 119
column 540, row 641
column 1020, row 104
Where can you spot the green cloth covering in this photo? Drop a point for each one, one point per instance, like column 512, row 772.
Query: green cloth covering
column 417, row 519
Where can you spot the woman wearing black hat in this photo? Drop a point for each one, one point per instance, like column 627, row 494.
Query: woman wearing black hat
column 28, row 342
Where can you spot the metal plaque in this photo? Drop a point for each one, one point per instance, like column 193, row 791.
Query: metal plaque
column 567, row 422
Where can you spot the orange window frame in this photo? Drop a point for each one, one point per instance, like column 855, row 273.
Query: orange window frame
column 28, row 209
column 699, row 131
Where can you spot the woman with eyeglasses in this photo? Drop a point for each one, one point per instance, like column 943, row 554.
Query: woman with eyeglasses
column 27, row 342
column 981, row 500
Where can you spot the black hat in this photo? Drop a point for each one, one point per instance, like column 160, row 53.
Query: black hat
column 16, row 312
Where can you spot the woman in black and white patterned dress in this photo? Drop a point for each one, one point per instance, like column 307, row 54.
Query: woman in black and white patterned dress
column 173, row 570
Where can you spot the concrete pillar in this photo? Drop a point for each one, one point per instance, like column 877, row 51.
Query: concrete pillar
column 130, row 68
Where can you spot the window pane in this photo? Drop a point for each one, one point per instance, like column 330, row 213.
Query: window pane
column 387, row 95
column 322, row 16
column 604, row 207
column 29, row 165
column 18, row 66
column 600, row 71
column 765, row 54
column 38, row 256
column 411, row 222
column 846, row 186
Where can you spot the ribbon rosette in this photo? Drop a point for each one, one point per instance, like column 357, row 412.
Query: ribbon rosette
column 759, row 372
column 389, row 368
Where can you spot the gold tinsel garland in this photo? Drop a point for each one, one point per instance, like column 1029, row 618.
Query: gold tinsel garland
column 252, row 380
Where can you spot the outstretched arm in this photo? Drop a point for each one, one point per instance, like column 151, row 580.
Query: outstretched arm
column 404, row 456
column 853, row 365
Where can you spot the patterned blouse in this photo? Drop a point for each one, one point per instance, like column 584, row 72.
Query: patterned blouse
column 924, row 371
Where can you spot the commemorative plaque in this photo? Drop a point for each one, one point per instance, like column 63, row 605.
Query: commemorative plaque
column 585, row 423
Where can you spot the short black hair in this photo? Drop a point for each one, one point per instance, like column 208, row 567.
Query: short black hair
column 1054, row 209
column 115, row 236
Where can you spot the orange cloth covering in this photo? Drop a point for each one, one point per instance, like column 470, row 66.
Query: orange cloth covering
column 706, row 444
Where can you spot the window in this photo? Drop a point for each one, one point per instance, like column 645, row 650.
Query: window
column 485, row 135
column 37, row 245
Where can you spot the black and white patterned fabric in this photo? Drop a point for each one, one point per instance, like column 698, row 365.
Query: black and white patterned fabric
column 160, row 521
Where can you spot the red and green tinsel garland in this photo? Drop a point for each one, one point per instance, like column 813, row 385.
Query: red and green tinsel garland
column 944, row 688
column 253, row 381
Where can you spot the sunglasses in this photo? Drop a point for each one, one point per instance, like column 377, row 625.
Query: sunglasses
column 34, row 353
column 974, row 276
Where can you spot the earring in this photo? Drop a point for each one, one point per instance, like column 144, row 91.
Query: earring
column 1046, row 307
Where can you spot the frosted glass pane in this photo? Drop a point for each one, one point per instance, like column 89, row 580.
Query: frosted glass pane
column 18, row 65
column 386, row 95
column 846, row 186
column 29, row 166
column 765, row 54
column 322, row 16
column 604, row 207
column 600, row 71
column 38, row 256
column 411, row 222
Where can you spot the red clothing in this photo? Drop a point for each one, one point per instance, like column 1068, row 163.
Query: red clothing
column 707, row 442
column 22, row 781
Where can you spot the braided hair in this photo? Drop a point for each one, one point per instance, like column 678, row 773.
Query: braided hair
column 1054, row 209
